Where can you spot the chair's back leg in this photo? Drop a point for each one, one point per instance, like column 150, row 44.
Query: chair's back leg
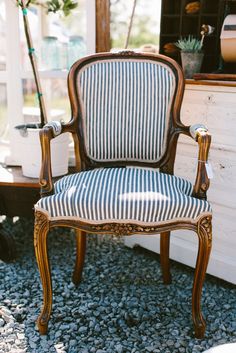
column 80, row 256
column 41, row 229
column 164, row 256
column 205, row 239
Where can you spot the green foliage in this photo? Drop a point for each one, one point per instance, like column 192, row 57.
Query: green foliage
column 189, row 44
column 66, row 6
column 139, row 35
column 145, row 27
column 51, row 6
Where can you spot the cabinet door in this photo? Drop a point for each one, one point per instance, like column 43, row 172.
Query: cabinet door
column 216, row 108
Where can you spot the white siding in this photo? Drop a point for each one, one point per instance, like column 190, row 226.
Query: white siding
column 214, row 106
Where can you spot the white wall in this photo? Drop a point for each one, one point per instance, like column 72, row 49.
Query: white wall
column 215, row 106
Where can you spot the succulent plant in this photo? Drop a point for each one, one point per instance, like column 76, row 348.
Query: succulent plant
column 190, row 44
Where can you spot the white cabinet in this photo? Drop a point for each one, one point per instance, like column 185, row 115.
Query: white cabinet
column 214, row 106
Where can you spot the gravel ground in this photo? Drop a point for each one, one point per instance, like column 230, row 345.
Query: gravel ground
column 121, row 305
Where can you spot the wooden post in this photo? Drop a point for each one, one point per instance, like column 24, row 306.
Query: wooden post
column 102, row 25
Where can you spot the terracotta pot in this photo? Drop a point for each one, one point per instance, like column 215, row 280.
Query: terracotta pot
column 191, row 63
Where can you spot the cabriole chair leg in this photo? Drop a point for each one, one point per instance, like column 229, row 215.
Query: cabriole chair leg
column 80, row 256
column 40, row 242
column 164, row 257
column 205, row 239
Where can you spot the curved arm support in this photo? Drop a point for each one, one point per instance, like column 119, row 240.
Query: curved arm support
column 45, row 178
column 49, row 131
column 200, row 134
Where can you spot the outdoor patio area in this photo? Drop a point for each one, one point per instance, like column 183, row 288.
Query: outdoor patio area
column 121, row 305
column 117, row 176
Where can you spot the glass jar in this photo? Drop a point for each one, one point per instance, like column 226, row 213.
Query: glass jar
column 50, row 53
column 76, row 49
column 63, row 56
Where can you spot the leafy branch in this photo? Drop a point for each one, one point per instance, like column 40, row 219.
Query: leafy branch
column 66, row 6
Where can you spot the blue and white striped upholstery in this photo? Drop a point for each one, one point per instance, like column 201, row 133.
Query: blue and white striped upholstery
column 121, row 195
column 126, row 109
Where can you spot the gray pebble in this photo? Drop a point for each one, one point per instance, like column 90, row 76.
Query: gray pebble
column 83, row 329
column 121, row 305
column 32, row 344
column 119, row 348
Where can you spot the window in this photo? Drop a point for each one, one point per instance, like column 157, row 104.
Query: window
column 73, row 36
column 3, row 110
column 146, row 23
column 3, row 88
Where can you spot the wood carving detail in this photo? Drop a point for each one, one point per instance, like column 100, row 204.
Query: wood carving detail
column 205, row 226
column 128, row 52
column 40, row 242
column 202, row 226
column 205, row 240
column 41, row 221
column 124, row 228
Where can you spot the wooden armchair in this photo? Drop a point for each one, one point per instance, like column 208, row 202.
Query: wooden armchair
column 125, row 125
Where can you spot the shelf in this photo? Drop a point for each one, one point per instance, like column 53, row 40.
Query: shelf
column 211, row 83
column 170, row 16
column 171, row 7
column 190, row 25
column 212, row 21
column 177, row 23
column 172, row 25
column 210, row 6
column 190, row 15
column 170, row 35
column 209, row 14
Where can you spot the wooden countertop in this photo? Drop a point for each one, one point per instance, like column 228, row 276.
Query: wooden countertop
column 211, row 83
column 227, row 80
column 10, row 176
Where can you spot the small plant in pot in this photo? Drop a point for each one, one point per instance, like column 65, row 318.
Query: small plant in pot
column 191, row 55
column 30, row 141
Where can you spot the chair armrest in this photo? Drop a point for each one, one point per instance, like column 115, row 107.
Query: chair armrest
column 48, row 132
column 200, row 134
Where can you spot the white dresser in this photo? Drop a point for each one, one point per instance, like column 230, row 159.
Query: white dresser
column 214, row 105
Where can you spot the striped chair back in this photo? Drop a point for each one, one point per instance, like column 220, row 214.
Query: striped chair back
column 126, row 108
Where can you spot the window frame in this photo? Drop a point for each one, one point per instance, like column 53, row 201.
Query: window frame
column 13, row 74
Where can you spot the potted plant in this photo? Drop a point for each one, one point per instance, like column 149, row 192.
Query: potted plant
column 191, row 54
column 30, row 142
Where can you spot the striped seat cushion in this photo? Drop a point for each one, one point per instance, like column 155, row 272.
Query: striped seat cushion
column 123, row 194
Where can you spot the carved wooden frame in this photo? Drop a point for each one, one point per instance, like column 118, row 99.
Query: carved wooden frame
column 202, row 226
column 176, row 127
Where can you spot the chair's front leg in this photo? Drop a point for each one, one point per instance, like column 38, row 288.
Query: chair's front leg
column 205, row 239
column 41, row 229
column 80, row 256
column 164, row 256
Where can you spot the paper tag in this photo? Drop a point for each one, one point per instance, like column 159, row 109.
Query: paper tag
column 209, row 170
